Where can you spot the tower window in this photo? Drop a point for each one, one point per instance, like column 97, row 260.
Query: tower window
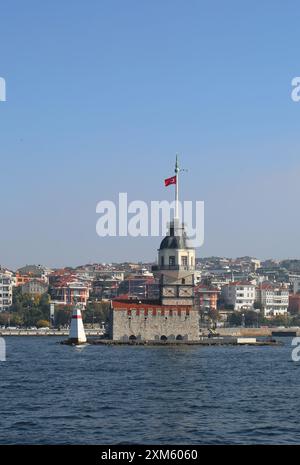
column 172, row 260
column 183, row 281
column 184, row 261
column 162, row 261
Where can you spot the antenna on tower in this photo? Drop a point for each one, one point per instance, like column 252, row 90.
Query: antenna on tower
column 177, row 171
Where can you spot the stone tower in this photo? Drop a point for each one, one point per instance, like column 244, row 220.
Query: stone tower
column 172, row 317
column 176, row 266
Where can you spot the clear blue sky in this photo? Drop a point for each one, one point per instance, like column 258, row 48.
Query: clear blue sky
column 102, row 94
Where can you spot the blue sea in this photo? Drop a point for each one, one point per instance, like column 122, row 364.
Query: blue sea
column 55, row 394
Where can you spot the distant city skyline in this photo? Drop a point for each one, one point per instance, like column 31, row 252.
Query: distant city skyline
column 142, row 262
column 100, row 98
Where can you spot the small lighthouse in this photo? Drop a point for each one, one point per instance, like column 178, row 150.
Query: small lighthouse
column 77, row 333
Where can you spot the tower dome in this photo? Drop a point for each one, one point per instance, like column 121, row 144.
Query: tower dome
column 176, row 239
column 173, row 242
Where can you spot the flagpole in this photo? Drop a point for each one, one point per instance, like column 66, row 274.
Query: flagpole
column 177, row 189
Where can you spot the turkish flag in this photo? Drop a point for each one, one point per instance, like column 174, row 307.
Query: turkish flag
column 170, row 181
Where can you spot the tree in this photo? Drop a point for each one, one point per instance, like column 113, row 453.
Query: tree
column 295, row 321
column 280, row 320
column 251, row 318
column 62, row 315
column 26, row 309
column 96, row 312
column 235, row 319
column 213, row 314
column 15, row 319
column 44, row 305
column 31, row 316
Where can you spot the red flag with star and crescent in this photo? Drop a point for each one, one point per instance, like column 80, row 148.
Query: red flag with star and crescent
column 170, row 181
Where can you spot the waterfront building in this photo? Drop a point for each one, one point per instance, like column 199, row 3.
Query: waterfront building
column 273, row 298
column 6, row 286
column 240, row 295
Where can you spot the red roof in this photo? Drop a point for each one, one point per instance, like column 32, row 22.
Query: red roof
column 265, row 286
column 133, row 305
column 272, row 286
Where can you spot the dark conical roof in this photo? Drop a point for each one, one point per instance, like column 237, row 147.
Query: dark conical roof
column 173, row 242
column 177, row 237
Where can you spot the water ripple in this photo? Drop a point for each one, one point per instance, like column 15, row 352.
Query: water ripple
column 151, row 395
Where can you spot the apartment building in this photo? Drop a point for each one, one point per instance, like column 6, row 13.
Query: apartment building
column 206, row 297
column 273, row 298
column 69, row 290
column 34, row 287
column 6, row 285
column 240, row 295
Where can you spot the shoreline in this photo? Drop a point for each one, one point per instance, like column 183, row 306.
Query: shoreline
column 205, row 341
column 223, row 332
column 50, row 333
column 202, row 342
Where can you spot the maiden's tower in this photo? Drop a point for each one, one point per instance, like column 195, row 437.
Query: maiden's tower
column 173, row 316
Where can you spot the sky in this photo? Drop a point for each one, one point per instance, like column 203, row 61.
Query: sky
column 102, row 94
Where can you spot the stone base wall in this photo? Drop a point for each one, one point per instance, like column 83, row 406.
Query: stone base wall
column 153, row 326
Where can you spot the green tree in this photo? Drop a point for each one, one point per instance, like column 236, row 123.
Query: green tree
column 27, row 309
column 251, row 318
column 32, row 315
column 62, row 315
column 96, row 312
column 15, row 319
column 235, row 319
column 280, row 320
